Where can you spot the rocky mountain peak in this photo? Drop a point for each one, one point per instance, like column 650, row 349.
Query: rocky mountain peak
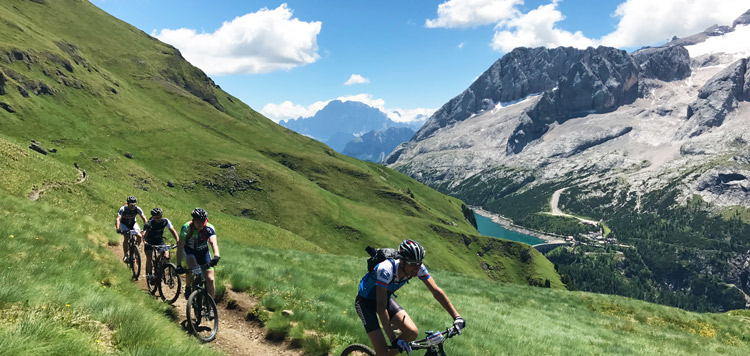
column 744, row 19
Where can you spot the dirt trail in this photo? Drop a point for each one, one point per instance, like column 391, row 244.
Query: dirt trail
column 36, row 192
column 236, row 335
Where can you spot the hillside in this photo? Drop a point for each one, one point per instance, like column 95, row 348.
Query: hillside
column 126, row 115
column 94, row 111
column 140, row 120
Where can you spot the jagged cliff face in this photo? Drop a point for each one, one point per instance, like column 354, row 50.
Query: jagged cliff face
column 677, row 116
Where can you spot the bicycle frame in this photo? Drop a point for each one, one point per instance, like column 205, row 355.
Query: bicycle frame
column 159, row 255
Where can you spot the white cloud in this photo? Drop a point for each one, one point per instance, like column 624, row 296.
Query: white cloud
column 356, row 79
column 641, row 22
column 473, row 13
column 461, row 45
column 537, row 28
column 259, row 42
column 646, row 22
column 289, row 110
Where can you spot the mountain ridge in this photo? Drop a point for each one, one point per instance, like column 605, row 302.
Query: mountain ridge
column 671, row 133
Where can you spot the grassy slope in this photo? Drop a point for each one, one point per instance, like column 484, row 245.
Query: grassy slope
column 138, row 96
column 77, row 299
column 309, row 198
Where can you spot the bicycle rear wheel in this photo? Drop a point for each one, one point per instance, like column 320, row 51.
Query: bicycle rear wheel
column 170, row 283
column 358, row 350
column 135, row 261
column 202, row 316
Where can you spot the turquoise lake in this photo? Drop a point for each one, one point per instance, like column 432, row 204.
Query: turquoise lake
column 487, row 227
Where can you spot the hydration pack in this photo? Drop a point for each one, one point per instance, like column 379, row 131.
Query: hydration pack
column 378, row 255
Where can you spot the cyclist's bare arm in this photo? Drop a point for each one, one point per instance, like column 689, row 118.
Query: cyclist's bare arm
column 174, row 233
column 441, row 297
column 214, row 245
column 180, row 249
column 381, row 299
column 117, row 222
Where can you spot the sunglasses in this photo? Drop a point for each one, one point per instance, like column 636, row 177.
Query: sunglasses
column 413, row 263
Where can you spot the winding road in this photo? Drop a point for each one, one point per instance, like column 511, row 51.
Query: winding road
column 557, row 212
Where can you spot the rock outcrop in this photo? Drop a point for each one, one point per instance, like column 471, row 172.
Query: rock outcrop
column 716, row 99
column 519, row 73
column 725, row 186
column 664, row 63
column 601, row 81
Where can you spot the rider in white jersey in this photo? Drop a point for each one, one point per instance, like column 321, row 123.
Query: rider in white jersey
column 375, row 299
column 125, row 222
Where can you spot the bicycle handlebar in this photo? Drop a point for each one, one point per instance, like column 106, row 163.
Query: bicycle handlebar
column 159, row 247
column 432, row 339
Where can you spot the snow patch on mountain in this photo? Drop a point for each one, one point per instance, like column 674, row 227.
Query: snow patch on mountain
column 736, row 43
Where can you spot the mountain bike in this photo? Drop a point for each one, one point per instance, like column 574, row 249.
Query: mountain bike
column 433, row 343
column 202, row 315
column 134, row 256
column 164, row 277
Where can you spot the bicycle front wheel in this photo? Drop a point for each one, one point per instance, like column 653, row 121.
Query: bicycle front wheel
column 170, row 283
column 135, row 262
column 358, row 350
column 202, row 316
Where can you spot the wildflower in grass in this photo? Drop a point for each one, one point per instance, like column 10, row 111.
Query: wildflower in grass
column 11, row 236
column 67, row 305
column 44, row 307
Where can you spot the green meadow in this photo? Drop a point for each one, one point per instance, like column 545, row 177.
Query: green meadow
column 65, row 293
column 293, row 216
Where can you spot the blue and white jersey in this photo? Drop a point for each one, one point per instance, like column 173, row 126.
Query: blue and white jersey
column 385, row 274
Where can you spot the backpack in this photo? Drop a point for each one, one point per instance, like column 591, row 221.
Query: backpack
column 378, row 255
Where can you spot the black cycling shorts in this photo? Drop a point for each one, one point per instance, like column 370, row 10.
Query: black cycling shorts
column 367, row 311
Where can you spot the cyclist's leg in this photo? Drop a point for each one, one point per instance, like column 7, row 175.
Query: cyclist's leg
column 209, row 275
column 149, row 257
column 203, row 258
column 125, row 245
column 402, row 321
column 124, row 233
column 190, row 262
column 366, row 310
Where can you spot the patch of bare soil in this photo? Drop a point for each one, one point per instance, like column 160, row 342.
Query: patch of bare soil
column 237, row 335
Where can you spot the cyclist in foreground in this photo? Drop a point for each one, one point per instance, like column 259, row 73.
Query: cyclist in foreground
column 125, row 221
column 153, row 232
column 375, row 300
column 195, row 236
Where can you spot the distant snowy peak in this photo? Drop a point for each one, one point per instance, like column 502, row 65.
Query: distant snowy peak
column 342, row 121
column 736, row 42
column 713, row 31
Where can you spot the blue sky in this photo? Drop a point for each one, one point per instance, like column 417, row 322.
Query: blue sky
column 287, row 59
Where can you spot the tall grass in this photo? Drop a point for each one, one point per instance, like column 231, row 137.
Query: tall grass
column 64, row 293
column 503, row 319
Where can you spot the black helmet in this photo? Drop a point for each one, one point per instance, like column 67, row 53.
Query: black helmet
column 199, row 214
column 132, row 199
column 157, row 212
column 411, row 250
